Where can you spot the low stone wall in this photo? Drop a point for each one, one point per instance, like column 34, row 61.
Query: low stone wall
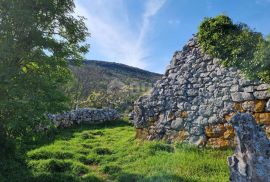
column 195, row 98
column 83, row 115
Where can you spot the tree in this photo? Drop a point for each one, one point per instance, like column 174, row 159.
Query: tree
column 37, row 38
column 236, row 45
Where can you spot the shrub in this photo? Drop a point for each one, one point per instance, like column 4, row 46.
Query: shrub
column 234, row 44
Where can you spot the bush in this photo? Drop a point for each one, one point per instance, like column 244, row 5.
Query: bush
column 235, row 44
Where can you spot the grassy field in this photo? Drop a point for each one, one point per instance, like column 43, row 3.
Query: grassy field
column 111, row 153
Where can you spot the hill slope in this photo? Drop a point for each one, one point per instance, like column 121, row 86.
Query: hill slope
column 121, row 70
column 119, row 79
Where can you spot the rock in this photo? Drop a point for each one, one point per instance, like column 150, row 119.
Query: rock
column 182, row 135
column 215, row 131
column 183, row 114
column 229, row 133
column 267, row 108
column 263, row 87
column 263, row 118
column 259, row 105
column 218, row 143
column 262, row 94
column 228, row 117
column 251, row 159
column 198, row 140
column 235, row 88
column 238, row 107
column 249, row 89
column 131, row 116
column 241, row 96
column 141, row 133
column 177, row 123
column 248, row 106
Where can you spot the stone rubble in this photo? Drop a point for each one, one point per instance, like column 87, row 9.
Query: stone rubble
column 195, row 94
column 83, row 115
column 251, row 159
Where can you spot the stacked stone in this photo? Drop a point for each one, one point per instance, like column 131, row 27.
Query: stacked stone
column 195, row 98
column 83, row 115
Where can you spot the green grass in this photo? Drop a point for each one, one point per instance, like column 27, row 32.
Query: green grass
column 111, row 153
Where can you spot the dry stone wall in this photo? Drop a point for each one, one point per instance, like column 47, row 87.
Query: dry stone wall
column 195, row 99
column 83, row 115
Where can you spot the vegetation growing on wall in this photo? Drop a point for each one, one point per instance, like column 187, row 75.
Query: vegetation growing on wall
column 236, row 45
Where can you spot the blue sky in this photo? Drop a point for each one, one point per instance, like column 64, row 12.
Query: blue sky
column 146, row 33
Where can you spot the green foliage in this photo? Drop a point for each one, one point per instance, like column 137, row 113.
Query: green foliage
column 263, row 59
column 131, row 159
column 236, row 45
column 36, row 39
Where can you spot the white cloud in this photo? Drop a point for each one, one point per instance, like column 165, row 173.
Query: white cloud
column 112, row 33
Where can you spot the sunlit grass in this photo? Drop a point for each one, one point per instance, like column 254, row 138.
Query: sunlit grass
column 111, row 153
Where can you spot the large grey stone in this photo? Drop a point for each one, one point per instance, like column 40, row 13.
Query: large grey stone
column 263, row 87
column 251, row 159
column 262, row 94
column 241, row 96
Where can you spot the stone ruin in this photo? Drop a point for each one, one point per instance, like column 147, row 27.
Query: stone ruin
column 251, row 159
column 83, row 115
column 196, row 98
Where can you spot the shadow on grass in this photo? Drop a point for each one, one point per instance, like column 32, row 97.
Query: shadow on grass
column 129, row 177
column 13, row 165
